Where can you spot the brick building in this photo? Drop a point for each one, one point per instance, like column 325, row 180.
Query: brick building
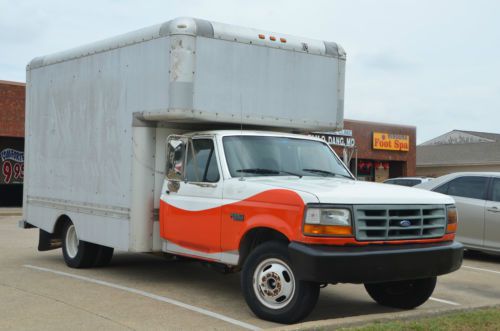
column 12, row 104
column 375, row 151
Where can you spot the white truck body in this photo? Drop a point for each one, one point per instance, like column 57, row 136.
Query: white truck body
column 98, row 116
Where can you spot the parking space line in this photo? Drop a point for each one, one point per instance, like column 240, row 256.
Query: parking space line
column 444, row 301
column 481, row 269
column 151, row 296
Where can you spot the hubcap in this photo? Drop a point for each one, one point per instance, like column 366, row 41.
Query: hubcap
column 273, row 283
column 71, row 241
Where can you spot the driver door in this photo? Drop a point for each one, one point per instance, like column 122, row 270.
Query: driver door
column 190, row 213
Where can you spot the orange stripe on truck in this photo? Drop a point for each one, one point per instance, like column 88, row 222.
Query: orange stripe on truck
column 278, row 209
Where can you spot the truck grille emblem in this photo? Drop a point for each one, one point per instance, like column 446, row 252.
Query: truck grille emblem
column 405, row 223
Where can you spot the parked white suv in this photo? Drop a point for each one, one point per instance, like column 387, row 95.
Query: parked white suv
column 477, row 197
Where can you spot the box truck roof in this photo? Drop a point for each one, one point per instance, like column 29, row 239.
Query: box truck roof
column 197, row 27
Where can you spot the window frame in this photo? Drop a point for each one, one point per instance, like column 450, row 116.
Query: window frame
column 213, row 153
column 490, row 189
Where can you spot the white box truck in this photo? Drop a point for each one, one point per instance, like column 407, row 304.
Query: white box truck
column 180, row 138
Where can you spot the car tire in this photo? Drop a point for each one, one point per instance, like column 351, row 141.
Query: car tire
column 77, row 253
column 270, row 287
column 406, row 294
column 104, row 256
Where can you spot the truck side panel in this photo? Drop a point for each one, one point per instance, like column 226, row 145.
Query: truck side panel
column 79, row 137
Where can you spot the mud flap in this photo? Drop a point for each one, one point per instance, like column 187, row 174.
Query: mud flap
column 46, row 241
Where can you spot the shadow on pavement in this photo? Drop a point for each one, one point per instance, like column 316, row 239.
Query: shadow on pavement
column 480, row 256
column 190, row 279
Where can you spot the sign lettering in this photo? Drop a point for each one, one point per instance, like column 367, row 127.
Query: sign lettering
column 391, row 142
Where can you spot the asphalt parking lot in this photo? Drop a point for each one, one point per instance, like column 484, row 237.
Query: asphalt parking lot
column 139, row 292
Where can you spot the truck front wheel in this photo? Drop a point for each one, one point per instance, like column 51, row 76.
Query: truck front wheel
column 406, row 294
column 271, row 289
column 77, row 253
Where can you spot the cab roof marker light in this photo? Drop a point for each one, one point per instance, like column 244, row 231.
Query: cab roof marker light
column 273, row 38
column 283, row 40
column 261, row 36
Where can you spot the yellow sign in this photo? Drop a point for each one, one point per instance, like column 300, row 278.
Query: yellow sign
column 391, row 142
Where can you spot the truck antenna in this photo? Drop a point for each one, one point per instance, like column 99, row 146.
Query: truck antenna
column 241, row 114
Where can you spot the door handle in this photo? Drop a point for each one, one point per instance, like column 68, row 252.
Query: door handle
column 494, row 209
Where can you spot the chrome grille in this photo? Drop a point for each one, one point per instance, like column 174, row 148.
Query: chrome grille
column 399, row 222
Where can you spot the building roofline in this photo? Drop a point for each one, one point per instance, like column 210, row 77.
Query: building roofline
column 381, row 123
column 457, row 164
column 8, row 82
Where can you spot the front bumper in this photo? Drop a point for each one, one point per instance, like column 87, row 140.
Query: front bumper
column 374, row 263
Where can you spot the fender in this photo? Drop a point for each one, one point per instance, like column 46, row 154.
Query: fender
column 278, row 209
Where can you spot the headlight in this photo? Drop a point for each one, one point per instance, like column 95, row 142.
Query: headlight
column 328, row 221
column 452, row 218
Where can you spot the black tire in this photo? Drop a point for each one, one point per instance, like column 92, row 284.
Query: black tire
column 85, row 254
column 297, row 306
column 104, row 256
column 406, row 294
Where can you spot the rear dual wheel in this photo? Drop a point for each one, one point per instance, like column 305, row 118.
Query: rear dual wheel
column 82, row 254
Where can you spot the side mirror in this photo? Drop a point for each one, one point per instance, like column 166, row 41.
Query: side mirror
column 176, row 157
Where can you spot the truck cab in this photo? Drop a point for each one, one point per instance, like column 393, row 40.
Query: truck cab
column 283, row 208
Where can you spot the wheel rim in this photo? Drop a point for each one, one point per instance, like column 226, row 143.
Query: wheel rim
column 273, row 283
column 71, row 241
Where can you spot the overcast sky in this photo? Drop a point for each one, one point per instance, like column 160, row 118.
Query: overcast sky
column 432, row 64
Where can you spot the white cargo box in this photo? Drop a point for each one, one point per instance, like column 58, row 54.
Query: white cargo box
column 194, row 70
column 98, row 115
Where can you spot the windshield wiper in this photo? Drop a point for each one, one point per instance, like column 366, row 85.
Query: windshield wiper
column 263, row 171
column 326, row 172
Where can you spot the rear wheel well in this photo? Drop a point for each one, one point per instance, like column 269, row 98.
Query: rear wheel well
column 59, row 226
column 256, row 237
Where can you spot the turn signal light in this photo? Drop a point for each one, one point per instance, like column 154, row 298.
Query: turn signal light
column 452, row 220
column 328, row 230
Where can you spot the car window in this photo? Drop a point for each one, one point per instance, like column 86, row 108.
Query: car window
column 468, row 187
column 403, row 182
column 495, row 190
column 442, row 189
column 408, row 182
column 202, row 162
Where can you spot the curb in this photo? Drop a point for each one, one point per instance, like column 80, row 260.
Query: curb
column 357, row 321
column 11, row 212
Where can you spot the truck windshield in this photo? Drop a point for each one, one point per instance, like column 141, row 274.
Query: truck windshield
column 280, row 156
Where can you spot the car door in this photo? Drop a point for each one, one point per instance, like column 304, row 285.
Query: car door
column 469, row 193
column 492, row 217
column 191, row 216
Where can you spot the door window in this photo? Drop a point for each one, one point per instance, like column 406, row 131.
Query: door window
column 468, row 187
column 495, row 190
column 201, row 163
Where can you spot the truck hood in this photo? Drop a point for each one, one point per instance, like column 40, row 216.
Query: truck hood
column 345, row 191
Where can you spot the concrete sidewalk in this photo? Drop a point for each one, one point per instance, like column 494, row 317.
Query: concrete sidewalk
column 11, row 211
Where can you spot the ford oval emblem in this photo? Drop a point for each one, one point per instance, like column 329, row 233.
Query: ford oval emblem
column 405, row 223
